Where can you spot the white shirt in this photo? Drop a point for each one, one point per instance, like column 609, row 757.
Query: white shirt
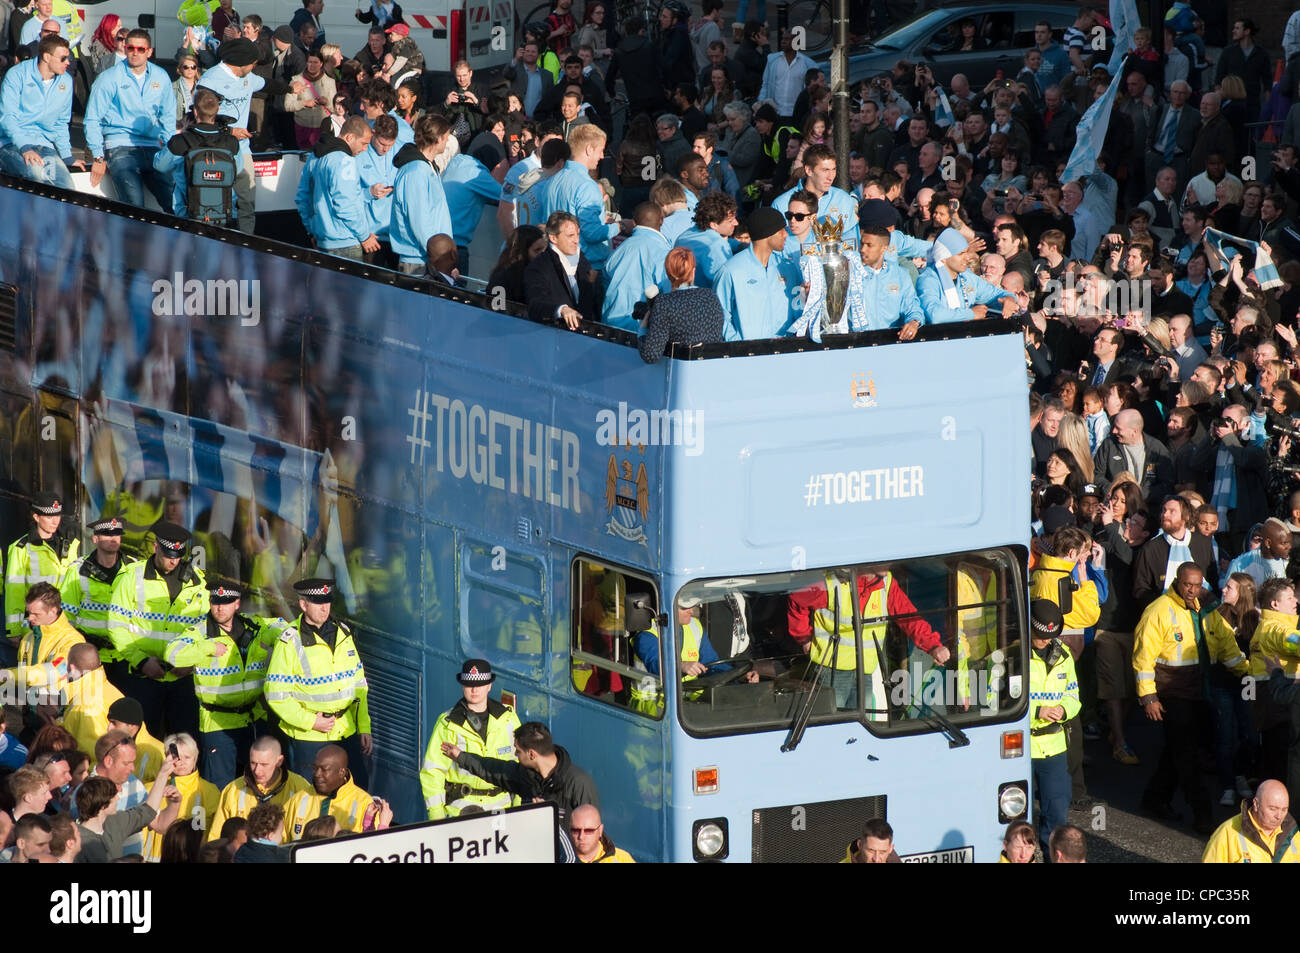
column 783, row 81
column 1204, row 188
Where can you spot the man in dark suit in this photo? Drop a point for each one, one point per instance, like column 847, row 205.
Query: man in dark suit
column 1172, row 132
column 526, row 71
column 557, row 283
column 441, row 260
column 1216, row 135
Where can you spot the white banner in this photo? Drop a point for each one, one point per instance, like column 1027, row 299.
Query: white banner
column 520, row 835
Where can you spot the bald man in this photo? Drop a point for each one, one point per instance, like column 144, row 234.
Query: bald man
column 336, row 794
column 590, row 841
column 1269, row 561
column 441, row 259
column 1128, row 450
column 1263, row 833
column 265, row 781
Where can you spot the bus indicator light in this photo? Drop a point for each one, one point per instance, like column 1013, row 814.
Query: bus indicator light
column 1013, row 744
column 706, row 780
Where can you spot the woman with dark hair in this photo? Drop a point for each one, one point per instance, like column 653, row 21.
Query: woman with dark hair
column 1118, row 396
column 181, row 843
column 1063, row 470
column 408, row 101
column 718, row 93
column 631, row 166
column 50, row 738
column 597, row 31
column 966, row 40
column 525, row 243
column 686, row 315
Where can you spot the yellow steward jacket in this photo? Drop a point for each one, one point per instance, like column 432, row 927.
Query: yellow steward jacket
column 1052, row 682
column 199, row 799
column 347, row 806
column 306, row 678
column 43, row 659
column 240, row 796
column 609, row 854
column 1276, row 635
column 447, row 788
column 1165, row 657
column 86, row 715
column 1240, row 841
column 1044, row 582
column 148, row 755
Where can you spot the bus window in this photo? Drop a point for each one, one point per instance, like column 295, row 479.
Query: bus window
column 916, row 645
column 501, row 609
column 612, row 659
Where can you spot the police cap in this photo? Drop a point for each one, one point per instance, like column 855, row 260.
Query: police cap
column 171, row 539
column 222, row 593
column 318, row 591
column 108, row 526
column 476, row 671
column 47, row 503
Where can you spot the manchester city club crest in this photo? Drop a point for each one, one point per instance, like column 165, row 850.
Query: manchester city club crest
column 863, row 390
column 627, row 499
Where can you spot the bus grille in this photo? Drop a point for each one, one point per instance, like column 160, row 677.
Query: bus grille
column 816, row 833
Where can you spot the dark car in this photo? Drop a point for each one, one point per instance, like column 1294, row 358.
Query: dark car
column 933, row 36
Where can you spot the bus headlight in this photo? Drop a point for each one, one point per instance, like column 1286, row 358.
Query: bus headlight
column 709, row 839
column 1013, row 801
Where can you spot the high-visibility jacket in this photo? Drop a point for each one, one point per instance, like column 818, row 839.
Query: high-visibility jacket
column 845, row 657
column 199, row 800
column 149, row 755
column 1240, row 841
column 306, row 678
column 87, row 591
column 1044, row 583
column 1052, row 682
column 86, row 715
column 1166, row 659
column 143, row 619
column 774, row 148
column 240, row 796
column 28, row 561
column 347, row 806
column 977, row 627
column 1276, row 636
column 647, row 694
column 447, row 788
column 229, row 686
column 43, row 660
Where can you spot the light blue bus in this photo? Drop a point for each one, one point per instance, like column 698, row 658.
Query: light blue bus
column 481, row 485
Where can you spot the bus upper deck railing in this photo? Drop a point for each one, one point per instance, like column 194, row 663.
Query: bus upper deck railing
column 478, row 299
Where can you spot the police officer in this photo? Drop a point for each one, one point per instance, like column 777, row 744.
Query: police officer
column 315, row 683
column 154, row 601
column 229, row 652
column 476, row 724
column 42, row 555
column 87, row 591
column 1053, row 700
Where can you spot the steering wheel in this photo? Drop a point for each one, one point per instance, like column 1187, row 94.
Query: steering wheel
column 740, row 667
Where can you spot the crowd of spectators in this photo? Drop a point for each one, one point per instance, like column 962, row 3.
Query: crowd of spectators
column 670, row 178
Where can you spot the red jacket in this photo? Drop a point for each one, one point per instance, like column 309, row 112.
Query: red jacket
column 805, row 602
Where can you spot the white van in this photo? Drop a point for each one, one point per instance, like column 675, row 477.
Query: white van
column 481, row 31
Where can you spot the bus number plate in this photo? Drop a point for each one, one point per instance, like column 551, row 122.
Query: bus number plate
column 956, row 855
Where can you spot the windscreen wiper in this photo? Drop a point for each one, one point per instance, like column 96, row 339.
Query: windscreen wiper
column 800, row 723
column 956, row 737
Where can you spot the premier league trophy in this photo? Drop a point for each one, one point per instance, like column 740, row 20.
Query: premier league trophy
column 835, row 270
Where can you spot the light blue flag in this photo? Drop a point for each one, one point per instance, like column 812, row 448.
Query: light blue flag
column 943, row 117
column 1265, row 270
column 1124, row 20
column 1092, row 133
